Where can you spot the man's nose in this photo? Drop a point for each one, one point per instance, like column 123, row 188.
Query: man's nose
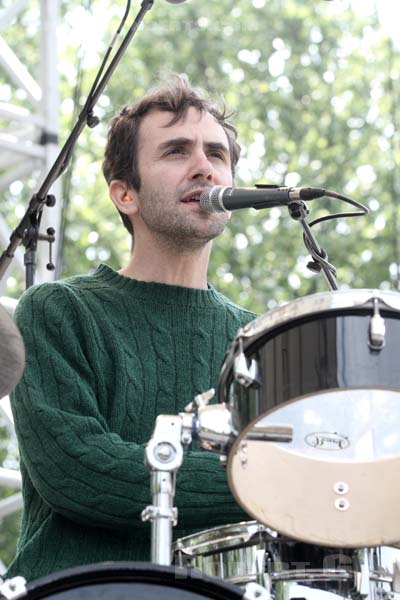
column 201, row 167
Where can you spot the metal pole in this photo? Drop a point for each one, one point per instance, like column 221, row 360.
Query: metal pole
column 161, row 527
column 50, row 106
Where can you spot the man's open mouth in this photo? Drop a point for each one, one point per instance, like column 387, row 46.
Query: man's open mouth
column 195, row 198
column 192, row 196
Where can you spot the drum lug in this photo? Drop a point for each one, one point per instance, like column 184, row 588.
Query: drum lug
column 14, row 588
column 255, row 591
column 245, row 375
column 377, row 329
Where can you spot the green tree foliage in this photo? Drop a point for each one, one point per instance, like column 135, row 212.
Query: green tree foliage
column 314, row 87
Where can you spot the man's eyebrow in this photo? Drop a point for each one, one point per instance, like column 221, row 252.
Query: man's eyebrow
column 179, row 141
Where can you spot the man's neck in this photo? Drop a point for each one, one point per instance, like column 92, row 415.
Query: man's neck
column 172, row 267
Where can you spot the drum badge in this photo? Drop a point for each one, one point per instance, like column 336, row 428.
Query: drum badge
column 327, row 441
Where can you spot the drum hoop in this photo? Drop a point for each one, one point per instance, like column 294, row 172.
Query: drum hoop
column 315, row 304
column 301, row 575
column 226, row 537
column 140, row 572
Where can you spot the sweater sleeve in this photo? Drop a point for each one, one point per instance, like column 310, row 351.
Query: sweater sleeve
column 79, row 467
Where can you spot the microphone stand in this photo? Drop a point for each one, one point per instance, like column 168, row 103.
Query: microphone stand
column 299, row 211
column 27, row 232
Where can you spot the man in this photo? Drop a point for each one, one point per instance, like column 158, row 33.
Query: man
column 108, row 352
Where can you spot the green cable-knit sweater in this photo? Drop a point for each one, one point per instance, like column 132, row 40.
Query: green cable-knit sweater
column 105, row 355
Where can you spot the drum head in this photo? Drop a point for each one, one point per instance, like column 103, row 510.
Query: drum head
column 131, row 581
column 318, row 373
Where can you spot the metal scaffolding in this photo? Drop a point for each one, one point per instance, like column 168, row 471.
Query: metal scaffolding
column 28, row 147
column 29, row 140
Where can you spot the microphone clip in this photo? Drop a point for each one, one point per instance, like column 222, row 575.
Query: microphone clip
column 298, row 209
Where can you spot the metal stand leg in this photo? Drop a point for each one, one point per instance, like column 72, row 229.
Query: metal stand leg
column 164, row 454
column 163, row 516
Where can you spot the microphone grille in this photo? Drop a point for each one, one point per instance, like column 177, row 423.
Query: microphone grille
column 209, row 199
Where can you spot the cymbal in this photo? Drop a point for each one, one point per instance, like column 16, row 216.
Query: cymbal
column 12, row 353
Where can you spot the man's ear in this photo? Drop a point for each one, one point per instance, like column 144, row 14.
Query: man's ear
column 124, row 197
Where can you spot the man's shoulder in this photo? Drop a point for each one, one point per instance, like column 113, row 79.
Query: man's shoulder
column 245, row 315
column 58, row 287
column 53, row 296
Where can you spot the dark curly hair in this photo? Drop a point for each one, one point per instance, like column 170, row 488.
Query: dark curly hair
column 174, row 95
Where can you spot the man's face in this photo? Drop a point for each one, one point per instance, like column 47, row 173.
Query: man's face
column 175, row 164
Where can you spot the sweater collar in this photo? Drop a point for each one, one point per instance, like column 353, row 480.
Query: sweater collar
column 159, row 293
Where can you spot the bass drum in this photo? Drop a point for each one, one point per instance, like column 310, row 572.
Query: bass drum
column 326, row 369
column 130, row 581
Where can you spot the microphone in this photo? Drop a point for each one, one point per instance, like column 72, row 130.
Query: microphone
column 220, row 198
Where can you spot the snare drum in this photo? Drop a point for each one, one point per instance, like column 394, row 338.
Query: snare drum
column 129, row 581
column 235, row 553
column 327, row 368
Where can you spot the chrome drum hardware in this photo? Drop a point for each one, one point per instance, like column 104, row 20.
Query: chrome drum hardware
column 249, row 553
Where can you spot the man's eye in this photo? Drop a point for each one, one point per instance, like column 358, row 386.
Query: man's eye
column 217, row 154
column 177, row 150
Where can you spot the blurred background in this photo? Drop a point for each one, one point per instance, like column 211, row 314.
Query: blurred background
column 314, row 89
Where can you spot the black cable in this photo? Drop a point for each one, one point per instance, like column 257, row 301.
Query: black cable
column 363, row 209
column 299, row 211
column 91, row 120
column 107, row 54
column 76, row 96
column 67, row 180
